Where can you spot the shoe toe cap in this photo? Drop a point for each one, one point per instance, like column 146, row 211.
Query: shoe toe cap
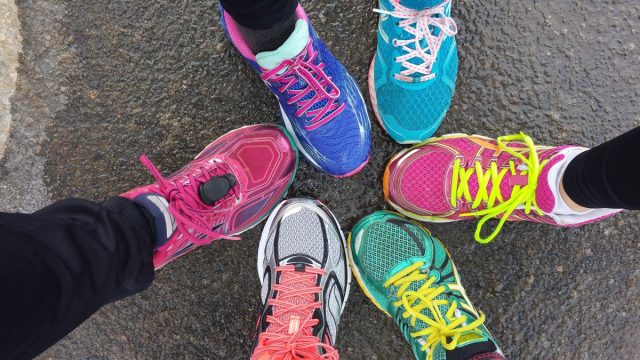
column 411, row 116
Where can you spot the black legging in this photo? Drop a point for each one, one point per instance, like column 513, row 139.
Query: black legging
column 259, row 14
column 61, row 264
column 607, row 176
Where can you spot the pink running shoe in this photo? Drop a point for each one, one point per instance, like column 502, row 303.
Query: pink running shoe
column 230, row 187
column 458, row 177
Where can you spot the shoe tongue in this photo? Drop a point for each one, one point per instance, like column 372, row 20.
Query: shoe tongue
column 545, row 189
column 470, row 343
column 420, row 4
column 506, row 185
column 414, row 286
column 295, row 318
column 291, row 48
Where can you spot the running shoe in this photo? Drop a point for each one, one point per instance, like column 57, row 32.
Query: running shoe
column 230, row 187
column 459, row 177
column 305, row 283
column 320, row 103
column 409, row 275
column 413, row 73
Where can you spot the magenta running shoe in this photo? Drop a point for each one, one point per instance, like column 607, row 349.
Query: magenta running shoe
column 230, row 187
column 458, row 177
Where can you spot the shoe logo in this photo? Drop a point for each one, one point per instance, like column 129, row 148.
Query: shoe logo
column 402, row 324
column 457, row 286
column 333, row 305
column 182, row 251
column 215, row 228
column 266, row 285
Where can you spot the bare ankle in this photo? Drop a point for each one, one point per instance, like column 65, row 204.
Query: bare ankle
column 570, row 203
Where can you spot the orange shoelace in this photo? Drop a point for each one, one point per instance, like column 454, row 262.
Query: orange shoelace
column 290, row 332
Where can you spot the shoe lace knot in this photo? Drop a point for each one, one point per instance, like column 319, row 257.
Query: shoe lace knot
column 309, row 87
column 185, row 204
column 522, row 194
column 435, row 319
column 427, row 30
column 290, row 332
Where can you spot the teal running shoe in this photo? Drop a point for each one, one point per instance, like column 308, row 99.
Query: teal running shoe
column 413, row 73
column 409, row 275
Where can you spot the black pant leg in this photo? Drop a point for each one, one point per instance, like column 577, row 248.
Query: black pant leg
column 61, row 264
column 607, row 176
column 259, row 14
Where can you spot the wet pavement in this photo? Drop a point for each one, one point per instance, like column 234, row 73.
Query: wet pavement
column 10, row 46
column 101, row 82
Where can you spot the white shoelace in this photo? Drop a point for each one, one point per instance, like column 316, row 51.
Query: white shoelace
column 419, row 23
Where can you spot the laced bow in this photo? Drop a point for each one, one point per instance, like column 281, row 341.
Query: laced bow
column 185, row 204
column 316, row 87
column 444, row 329
column 290, row 333
column 421, row 24
column 521, row 195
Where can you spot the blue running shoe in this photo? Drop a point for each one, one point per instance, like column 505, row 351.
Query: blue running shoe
column 413, row 73
column 320, row 103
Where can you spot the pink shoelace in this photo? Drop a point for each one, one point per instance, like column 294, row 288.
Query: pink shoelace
column 301, row 69
column 290, row 333
column 185, row 204
column 419, row 23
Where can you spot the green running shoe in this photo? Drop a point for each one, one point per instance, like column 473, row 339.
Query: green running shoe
column 409, row 275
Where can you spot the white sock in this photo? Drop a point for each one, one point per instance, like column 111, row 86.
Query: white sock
column 555, row 177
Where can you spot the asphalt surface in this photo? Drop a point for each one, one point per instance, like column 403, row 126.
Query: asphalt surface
column 101, row 82
column 10, row 46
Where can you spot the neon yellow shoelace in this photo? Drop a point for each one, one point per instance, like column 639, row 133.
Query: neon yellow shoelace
column 441, row 327
column 495, row 204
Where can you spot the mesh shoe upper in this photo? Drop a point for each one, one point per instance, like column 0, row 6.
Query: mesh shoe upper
column 303, row 234
column 332, row 129
column 457, row 177
column 261, row 159
column 411, row 111
column 409, row 275
column 428, row 179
